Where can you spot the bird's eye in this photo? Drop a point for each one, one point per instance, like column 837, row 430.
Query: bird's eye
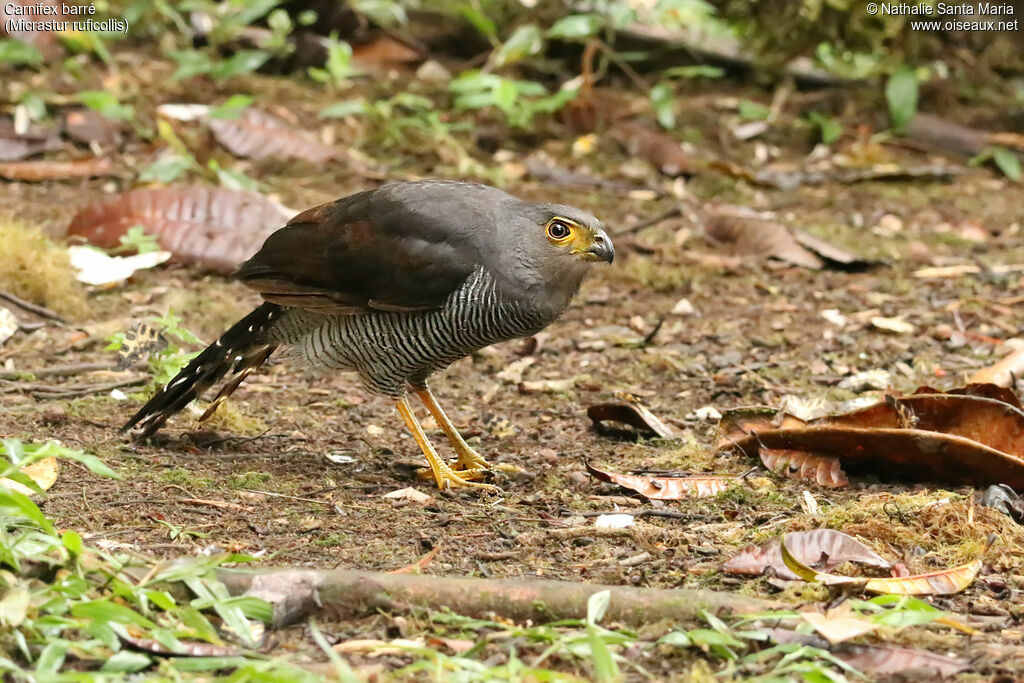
column 559, row 229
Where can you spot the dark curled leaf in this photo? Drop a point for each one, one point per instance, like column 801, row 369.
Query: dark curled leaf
column 632, row 413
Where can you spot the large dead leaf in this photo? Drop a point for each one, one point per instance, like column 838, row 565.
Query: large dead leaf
column 973, row 435
column 255, row 134
column 665, row 488
column 943, row 582
column 212, row 227
column 36, row 171
column 824, row 548
column 880, row 659
column 746, row 232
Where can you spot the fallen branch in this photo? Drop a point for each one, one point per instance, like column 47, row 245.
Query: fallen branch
column 299, row 593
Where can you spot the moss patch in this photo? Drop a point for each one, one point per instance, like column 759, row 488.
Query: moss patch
column 37, row 269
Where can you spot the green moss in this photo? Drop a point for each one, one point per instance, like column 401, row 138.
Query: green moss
column 249, row 480
column 37, row 269
column 184, row 477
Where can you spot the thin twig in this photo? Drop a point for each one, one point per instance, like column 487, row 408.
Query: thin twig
column 637, row 227
column 76, row 392
column 59, row 370
column 31, row 307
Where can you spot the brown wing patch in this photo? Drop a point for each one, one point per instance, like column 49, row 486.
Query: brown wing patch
column 365, row 252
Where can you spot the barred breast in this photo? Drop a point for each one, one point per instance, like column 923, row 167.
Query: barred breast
column 391, row 349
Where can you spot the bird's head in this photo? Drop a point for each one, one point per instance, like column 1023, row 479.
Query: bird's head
column 569, row 236
column 554, row 247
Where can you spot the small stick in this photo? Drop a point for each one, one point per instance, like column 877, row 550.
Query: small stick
column 637, row 227
column 58, row 370
column 76, row 392
column 31, row 307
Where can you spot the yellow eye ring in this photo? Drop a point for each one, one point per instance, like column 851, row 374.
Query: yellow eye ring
column 559, row 229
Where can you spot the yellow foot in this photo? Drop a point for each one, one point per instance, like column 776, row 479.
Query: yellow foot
column 469, row 460
column 447, row 478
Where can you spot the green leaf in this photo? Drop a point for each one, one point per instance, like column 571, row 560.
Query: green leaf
column 105, row 611
column 901, row 94
column 524, row 42
column 126, row 662
column 480, row 21
column 91, row 462
column 231, row 108
column 706, row 636
column 342, row 109
column 165, row 170
column 663, row 100
column 753, row 111
column 161, row 599
column 693, row 71
column 242, row 62
column 52, row 657
column 829, row 127
column 676, row 639
column 597, row 605
column 22, row 505
column 255, row 9
column 576, row 26
column 17, row 52
column 190, row 63
column 72, row 540
column 107, row 104
column 1008, row 162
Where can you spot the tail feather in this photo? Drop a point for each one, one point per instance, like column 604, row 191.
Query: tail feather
column 243, row 348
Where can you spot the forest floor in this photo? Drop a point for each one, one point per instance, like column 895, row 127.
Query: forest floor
column 296, row 469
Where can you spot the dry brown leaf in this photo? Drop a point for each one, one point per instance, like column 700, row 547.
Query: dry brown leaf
column 1002, row 373
column 418, row 566
column 631, row 412
column 665, row 488
column 972, row 435
column 383, row 53
column 35, row 171
column 837, row 625
column 43, row 473
column 821, row 469
column 15, row 146
column 745, row 232
column 826, row 548
column 88, row 126
column 942, row 582
column 659, row 149
column 880, row 659
column 255, row 134
column 213, row 227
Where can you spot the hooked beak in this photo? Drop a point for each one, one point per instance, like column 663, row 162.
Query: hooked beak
column 601, row 248
column 597, row 248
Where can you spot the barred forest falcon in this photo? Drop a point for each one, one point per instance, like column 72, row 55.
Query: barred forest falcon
column 397, row 283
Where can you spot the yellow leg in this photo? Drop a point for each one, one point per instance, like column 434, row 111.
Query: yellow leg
column 443, row 474
column 470, row 463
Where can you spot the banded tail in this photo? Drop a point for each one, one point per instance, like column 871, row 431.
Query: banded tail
column 242, row 349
